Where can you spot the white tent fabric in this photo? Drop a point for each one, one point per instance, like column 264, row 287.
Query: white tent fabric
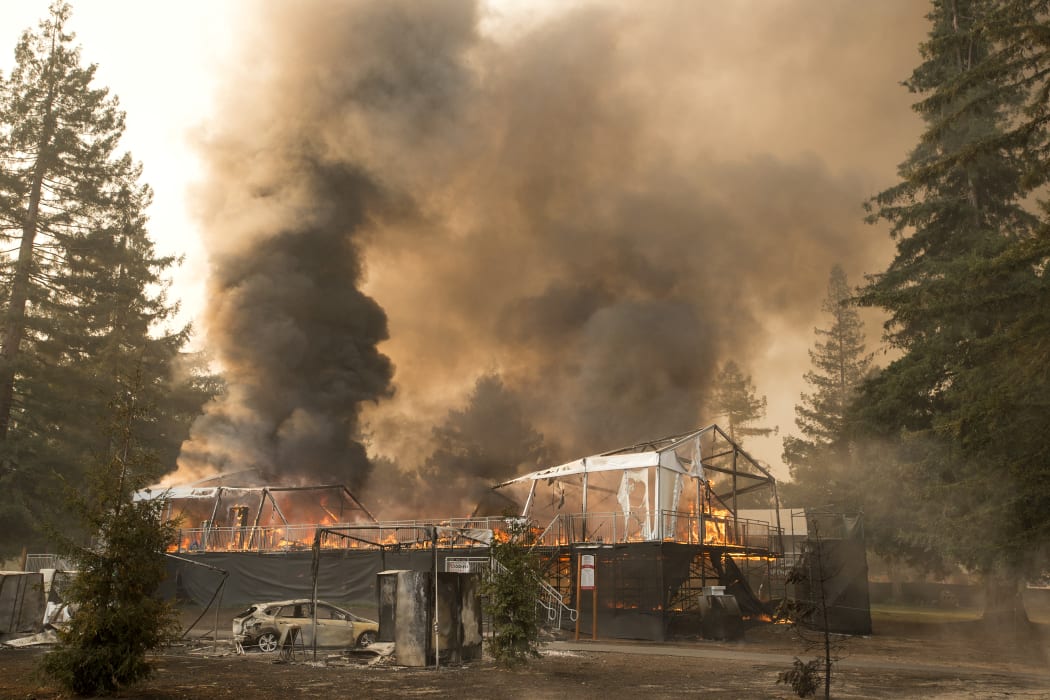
column 662, row 467
column 674, row 479
column 605, row 463
column 628, row 482
column 206, row 492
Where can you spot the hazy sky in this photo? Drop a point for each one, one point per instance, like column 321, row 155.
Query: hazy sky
column 764, row 123
column 162, row 59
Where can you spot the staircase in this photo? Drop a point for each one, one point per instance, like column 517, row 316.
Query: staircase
column 550, row 599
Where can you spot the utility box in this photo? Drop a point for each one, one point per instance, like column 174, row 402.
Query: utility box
column 720, row 617
column 386, row 591
column 406, row 616
column 413, row 618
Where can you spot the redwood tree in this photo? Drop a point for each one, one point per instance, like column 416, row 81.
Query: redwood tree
column 82, row 286
column 819, row 457
column 962, row 414
column 737, row 401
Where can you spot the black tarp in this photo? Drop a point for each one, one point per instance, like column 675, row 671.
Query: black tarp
column 636, row 583
column 345, row 577
column 736, row 584
column 834, row 576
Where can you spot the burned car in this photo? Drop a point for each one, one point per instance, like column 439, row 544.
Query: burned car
column 263, row 625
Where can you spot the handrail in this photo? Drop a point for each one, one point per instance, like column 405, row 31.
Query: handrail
column 564, row 529
column 553, row 604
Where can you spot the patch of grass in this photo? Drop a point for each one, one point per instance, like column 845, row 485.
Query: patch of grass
column 899, row 612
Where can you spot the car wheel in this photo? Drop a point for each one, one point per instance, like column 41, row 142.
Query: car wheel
column 366, row 639
column 267, row 641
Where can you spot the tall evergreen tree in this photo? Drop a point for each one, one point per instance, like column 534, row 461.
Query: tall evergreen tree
column 58, row 139
column 966, row 294
column 818, row 459
column 736, row 400
column 489, row 440
column 80, row 289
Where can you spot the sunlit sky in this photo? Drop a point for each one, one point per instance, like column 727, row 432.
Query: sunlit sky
column 164, row 60
column 161, row 59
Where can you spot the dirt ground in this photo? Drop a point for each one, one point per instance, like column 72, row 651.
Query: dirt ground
column 902, row 659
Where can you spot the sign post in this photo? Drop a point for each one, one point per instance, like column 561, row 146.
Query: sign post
column 585, row 582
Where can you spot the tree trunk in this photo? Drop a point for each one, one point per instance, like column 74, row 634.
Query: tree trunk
column 15, row 318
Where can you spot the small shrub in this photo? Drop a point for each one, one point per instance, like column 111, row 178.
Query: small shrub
column 804, row 677
column 512, row 589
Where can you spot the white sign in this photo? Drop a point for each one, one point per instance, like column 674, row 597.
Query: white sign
column 458, row 566
column 587, row 572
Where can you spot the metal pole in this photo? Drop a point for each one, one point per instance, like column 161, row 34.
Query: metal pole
column 659, row 504
column 258, row 515
column 215, row 645
column 583, row 534
column 315, row 566
column 699, row 513
column 736, row 531
column 437, row 639
column 211, row 523
column 776, row 509
column 579, row 576
column 528, row 501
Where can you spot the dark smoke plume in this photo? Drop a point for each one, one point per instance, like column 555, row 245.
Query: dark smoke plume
column 285, row 208
column 594, row 208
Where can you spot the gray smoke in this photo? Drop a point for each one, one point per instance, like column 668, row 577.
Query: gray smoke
column 596, row 208
column 291, row 189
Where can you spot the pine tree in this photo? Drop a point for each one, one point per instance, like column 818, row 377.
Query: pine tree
column 81, row 287
column 58, row 139
column 818, row 460
column 117, row 618
column 966, row 294
column 735, row 399
column 486, row 442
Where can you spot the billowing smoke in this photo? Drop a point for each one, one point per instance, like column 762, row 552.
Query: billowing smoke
column 289, row 194
column 592, row 209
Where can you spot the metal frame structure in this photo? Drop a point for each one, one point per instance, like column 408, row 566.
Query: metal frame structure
column 719, row 469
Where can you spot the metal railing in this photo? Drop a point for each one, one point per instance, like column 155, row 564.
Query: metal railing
column 38, row 562
column 610, row 528
column 549, row 599
column 299, row 537
column 687, row 528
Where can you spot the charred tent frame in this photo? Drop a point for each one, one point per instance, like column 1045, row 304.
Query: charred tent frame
column 830, row 575
column 225, row 525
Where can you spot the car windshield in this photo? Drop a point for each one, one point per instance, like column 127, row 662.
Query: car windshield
column 247, row 612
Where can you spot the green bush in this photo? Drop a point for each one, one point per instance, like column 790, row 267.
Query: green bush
column 512, row 590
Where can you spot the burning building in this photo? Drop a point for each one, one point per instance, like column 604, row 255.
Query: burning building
column 218, row 517
column 661, row 520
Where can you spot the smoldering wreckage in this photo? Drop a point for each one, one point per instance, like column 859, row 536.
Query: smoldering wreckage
column 647, row 542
